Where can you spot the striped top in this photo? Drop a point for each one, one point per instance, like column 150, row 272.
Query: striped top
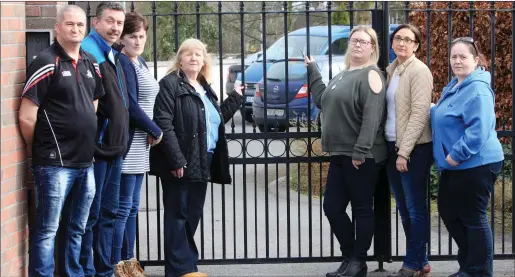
column 137, row 159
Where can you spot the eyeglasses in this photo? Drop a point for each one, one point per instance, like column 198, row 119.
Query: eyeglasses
column 468, row 40
column 405, row 40
column 354, row 41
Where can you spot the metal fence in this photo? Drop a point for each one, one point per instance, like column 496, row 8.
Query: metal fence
column 273, row 211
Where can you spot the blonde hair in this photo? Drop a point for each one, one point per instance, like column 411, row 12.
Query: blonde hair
column 189, row 44
column 373, row 36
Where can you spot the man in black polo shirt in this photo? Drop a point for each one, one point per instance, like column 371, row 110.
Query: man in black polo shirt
column 58, row 121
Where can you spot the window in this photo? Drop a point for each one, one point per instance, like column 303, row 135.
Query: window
column 338, row 47
column 296, row 46
column 296, row 71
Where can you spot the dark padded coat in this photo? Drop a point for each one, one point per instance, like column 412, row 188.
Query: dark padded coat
column 180, row 113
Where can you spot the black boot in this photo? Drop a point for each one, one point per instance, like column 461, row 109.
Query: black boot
column 340, row 269
column 356, row 268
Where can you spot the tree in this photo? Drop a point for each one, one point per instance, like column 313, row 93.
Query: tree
column 482, row 23
column 187, row 27
column 340, row 18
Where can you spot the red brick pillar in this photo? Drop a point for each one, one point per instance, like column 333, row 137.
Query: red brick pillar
column 14, row 258
column 41, row 15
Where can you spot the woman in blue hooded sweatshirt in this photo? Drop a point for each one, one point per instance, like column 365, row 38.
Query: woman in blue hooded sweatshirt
column 468, row 155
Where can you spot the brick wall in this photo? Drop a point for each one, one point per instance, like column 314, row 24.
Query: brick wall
column 41, row 15
column 13, row 161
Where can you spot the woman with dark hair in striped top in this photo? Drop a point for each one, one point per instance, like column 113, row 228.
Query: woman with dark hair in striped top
column 143, row 133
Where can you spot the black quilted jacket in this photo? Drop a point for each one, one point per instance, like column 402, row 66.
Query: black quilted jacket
column 179, row 112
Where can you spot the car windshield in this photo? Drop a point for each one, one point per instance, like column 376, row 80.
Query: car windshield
column 296, row 46
column 296, row 71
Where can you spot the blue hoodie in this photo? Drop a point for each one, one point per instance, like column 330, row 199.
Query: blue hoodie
column 463, row 124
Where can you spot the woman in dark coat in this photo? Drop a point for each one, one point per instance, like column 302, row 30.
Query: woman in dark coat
column 192, row 153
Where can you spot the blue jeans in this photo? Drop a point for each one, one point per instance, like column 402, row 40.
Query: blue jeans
column 97, row 242
column 54, row 185
column 463, row 198
column 125, row 225
column 410, row 191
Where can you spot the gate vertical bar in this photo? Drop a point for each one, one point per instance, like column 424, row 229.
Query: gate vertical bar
column 406, row 12
column 197, row 18
column 88, row 16
column 471, row 19
column 382, row 205
column 492, row 72
column 176, row 25
column 244, row 145
column 351, row 8
column 265, row 146
column 329, row 38
column 221, row 68
column 158, row 212
column 428, row 44
column 288, row 227
column 310, row 190
column 154, row 37
column 449, row 70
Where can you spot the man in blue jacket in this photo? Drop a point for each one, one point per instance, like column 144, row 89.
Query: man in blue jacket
column 111, row 139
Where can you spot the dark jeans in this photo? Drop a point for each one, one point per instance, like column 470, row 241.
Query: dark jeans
column 463, row 198
column 347, row 184
column 410, row 191
column 183, row 208
column 183, row 203
column 125, row 225
column 55, row 187
column 97, row 242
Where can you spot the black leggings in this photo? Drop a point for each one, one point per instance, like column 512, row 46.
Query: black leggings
column 347, row 184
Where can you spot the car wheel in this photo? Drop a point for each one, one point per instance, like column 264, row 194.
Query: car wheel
column 271, row 129
column 281, row 129
column 248, row 115
column 262, row 128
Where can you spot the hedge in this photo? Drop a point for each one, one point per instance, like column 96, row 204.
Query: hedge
column 482, row 24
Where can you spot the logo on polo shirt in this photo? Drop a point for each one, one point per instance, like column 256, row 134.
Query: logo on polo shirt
column 52, row 155
column 89, row 75
column 66, row 73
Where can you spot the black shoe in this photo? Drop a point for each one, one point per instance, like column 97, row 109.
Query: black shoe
column 403, row 272
column 459, row 274
column 356, row 268
column 340, row 269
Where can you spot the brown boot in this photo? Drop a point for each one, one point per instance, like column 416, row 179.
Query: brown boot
column 195, row 274
column 119, row 270
column 133, row 268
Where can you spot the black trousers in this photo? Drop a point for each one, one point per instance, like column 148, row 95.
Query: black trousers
column 346, row 184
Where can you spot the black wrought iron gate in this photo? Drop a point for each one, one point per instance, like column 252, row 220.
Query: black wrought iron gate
column 272, row 213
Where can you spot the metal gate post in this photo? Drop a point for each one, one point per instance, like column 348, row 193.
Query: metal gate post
column 382, row 198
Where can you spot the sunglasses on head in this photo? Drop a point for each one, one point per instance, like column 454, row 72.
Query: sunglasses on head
column 468, row 40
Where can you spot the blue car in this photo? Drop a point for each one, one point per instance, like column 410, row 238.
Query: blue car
column 297, row 46
column 287, row 107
